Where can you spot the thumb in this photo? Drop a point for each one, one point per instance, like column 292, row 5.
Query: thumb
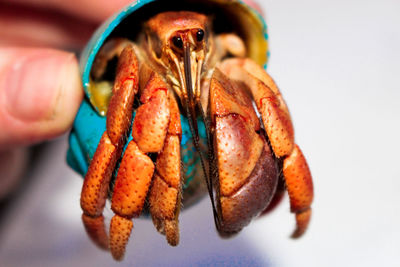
column 40, row 93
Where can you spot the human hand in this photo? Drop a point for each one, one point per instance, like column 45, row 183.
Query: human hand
column 40, row 87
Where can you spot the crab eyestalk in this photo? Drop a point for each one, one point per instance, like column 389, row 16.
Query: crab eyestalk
column 187, row 58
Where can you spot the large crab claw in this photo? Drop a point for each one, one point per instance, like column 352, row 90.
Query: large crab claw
column 247, row 171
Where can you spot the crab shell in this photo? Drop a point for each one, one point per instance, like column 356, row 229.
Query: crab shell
column 228, row 16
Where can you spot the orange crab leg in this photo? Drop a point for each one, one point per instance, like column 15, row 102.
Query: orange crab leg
column 96, row 230
column 152, row 118
column 136, row 170
column 270, row 104
column 165, row 193
column 119, row 115
column 97, row 179
column 95, row 188
column 120, row 231
column 130, row 190
column 300, row 187
column 278, row 125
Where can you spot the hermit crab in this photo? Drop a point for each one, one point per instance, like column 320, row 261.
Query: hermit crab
column 178, row 104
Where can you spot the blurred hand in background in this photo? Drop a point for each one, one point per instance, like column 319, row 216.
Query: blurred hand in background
column 40, row 87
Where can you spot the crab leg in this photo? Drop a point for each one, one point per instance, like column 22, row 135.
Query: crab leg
column 97, row 179
column 130, row 190
column 300, row 187
column 277, row 123
column 246, row 168
column 136, row 170
column 165, row 192
column 269, row 101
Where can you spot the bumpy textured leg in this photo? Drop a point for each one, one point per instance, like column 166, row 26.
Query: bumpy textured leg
column 97, row 179
column 269, row 101
column 136, row 170
column 246, row 167
column 130, row 190
column 300, row 187
column 120, row 231
column 96, row 230
column 165, row 194
column 277, row 123
column 154, row 130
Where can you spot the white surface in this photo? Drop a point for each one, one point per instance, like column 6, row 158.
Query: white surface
column 337, row 64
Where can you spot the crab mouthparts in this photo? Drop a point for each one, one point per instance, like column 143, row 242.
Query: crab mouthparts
column 189, row 100
column 188, row 76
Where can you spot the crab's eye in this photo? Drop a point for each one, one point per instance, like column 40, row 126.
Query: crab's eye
column 177, row 42
column 200, row 35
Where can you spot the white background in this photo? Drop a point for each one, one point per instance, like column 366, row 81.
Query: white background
column 337, row 64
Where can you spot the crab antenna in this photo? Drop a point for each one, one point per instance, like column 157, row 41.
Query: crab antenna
column 189, row 88
column 192, row 118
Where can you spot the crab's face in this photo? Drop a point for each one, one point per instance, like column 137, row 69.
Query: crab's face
column 176, row 30
column 179, row 42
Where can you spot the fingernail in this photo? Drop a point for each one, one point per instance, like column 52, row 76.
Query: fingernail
column 32, row 83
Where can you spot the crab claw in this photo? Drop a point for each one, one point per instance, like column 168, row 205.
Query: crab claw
column 279, row 128
column 247, row 171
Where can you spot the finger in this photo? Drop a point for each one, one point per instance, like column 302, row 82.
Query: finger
column 95, row 10
column 21, row 25
column 40, row 92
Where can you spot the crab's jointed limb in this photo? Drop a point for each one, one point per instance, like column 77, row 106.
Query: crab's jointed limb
column 246, row 168
column 165, row 193
column 149, row 131
column 279, row 129
column 96, row 184
column 300, row 188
